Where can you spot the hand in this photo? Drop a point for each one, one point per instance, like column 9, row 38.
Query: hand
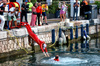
column 48, row 55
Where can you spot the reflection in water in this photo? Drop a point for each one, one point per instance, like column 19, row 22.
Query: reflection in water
column 71, row 47
column 76, row 46
column 84, row 46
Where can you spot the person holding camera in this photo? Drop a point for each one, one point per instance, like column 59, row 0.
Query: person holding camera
column 24, row 9
column 12, row 17
column 76, row 5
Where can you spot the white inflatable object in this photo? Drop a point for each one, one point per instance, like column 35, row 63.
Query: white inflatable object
column 67, row 20
column 60, row 40
column 64, row 38
column 84, row 37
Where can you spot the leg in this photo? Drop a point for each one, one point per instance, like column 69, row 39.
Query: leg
column 15, row 21
column 73, row 14
column 77, row 15
column 21, row 17
column 65, row 15
column 38, row 15
column 2, row 22
column 34, row 20
column 10, row 20
column 26, row 17
column 10, row 23
column 45, row 19
column 41, row 19
column 61, row 17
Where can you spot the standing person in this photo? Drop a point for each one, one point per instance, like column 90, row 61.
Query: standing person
column 44, row 8
column 65, row 9
column 85, row 2
column 62, row 12
column 34, row 15
column 76, row 5
column 12, row 17
column 29, row 3
column 2, row 9
column 17, row 14
column 39, row 13
column 24, row 8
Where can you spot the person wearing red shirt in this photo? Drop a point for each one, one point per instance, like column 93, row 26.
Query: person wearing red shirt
column 39, row 13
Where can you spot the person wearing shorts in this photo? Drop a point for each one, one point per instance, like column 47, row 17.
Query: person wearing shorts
column 62, row 12
column 12, row 17
column 44, row 8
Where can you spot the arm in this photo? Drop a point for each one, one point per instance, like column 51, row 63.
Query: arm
column 74, row 5
column 46, row 8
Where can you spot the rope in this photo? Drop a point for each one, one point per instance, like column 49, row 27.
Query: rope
column 17, row 41
column 56, row 37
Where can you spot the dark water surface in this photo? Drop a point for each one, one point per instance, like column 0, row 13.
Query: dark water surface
column 83, row 53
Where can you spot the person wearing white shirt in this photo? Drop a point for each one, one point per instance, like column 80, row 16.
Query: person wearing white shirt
column 11, row 16
column 2, row 22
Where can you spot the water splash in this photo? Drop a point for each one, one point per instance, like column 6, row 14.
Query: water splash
column 64, row 61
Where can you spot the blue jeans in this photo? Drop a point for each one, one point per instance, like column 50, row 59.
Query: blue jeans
column 75, row 11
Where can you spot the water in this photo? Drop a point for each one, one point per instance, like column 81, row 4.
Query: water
column 83, row 53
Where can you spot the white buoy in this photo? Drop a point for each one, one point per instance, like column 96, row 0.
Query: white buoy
column 64, row 38
column 60, row 41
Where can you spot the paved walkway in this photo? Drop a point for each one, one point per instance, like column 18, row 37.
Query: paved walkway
column 57, row 20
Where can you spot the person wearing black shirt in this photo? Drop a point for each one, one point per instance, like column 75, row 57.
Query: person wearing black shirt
column 24, row 8
column 2, row 19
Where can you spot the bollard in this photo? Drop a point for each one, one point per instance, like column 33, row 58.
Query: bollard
column 53, row 36
column 60, row 31
column 96, row 29
column 76, row 32
column 71, row 33
column 87, row 29
column 81, row 31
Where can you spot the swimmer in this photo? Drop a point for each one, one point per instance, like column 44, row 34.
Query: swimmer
column 56, row 58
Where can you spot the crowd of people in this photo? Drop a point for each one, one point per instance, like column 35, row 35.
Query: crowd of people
column 38, row 12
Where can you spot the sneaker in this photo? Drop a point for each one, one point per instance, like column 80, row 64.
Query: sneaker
column 9, row 29
column 39, row 25
column 42, row 23
column 0, row 30
column 46, row 23
column 16, row 27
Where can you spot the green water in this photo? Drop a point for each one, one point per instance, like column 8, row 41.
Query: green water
column 83, row 53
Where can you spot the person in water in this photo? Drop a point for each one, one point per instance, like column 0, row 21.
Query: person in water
column 56, row 58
